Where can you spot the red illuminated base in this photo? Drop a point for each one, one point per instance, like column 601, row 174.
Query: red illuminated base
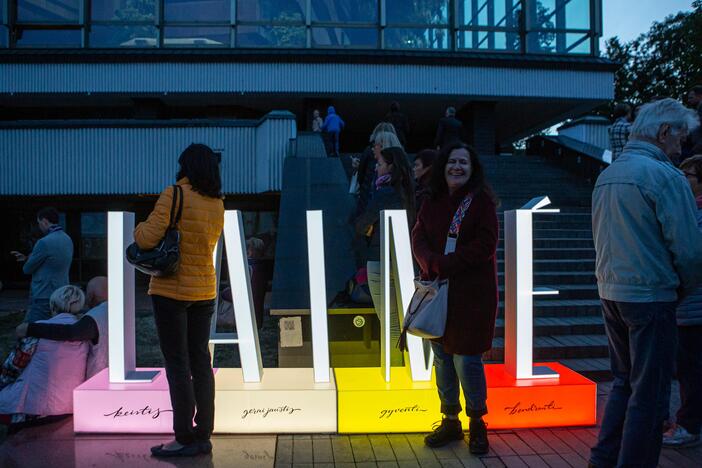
column 570, row 400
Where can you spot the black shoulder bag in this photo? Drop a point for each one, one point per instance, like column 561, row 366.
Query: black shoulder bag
column 163, row 260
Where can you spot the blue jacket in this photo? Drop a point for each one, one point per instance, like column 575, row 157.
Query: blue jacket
column 49, row 264
column 647, row 243
column 690, row 309
column 332, row 122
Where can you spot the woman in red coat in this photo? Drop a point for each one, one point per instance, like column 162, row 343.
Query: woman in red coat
column 458, row 186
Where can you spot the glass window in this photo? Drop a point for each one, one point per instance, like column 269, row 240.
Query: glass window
column 545, row 15
column 416, row 11
column 345, row 37
column 93, row 225
column 578, row 14
column 343, row 11
column 416, row 38
column 489, row 40
column 288, row 11
column 578, row 43
column 123, row 36
column 495, row 13
column 3, row 36
column 49, row 38
column 123, row 10
column 271, row 36
column 197, row 10
column 48, row 11
column 201, row 36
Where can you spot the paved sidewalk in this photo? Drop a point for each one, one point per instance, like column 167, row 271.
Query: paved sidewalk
column 55, row 445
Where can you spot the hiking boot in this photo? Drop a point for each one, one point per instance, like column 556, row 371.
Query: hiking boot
column 678, row 437
column 477, row 437
column 448, row 431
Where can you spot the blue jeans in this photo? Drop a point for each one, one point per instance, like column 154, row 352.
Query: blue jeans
column 642, row 341
column 39, row 309
column 469, row 371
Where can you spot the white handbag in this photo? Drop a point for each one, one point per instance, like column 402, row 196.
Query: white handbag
column 426, row 314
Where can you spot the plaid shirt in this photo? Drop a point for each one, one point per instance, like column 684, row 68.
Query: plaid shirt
column 618, row 136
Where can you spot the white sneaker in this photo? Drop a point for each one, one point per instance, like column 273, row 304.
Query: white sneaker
column 678, row 437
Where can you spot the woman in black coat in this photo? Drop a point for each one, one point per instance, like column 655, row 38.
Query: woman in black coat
column 458, row 186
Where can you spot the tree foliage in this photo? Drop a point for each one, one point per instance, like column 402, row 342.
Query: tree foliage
column 665, row 61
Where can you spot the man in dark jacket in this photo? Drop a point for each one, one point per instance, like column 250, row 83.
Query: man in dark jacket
column 450, row 129
column 399, row 121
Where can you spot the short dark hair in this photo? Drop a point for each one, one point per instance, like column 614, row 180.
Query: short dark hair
column 48, row 213
column 694, row 163
column 200, row 164
column 621, row 110
column 697, row 89
column 477, row 182
column 394, row 106
column 428, row 156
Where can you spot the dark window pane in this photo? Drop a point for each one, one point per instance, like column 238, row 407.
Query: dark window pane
column 93, row 224
column 48, row 11
column 271, row 10
column 3, row 36
column 345, row 37
column 123, row 36
column 494, row 13
column 416, row 11
column 271, row 36
column 49, row 38
column 416, row 38
column 123, row 10
column 488, row 40
column 197, row 36
column 343, row 11
column 197, row 10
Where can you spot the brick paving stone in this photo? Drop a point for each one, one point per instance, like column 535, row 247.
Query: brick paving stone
column 284, row 450
column 518, row 445
column 514, row 461
column 362, row 450
column 381, row 447
column 341, row 448
column 534, row 441
column 555, row 461
column 322, row 450
column 534, row 461
column 302, row 451
column 401, row 447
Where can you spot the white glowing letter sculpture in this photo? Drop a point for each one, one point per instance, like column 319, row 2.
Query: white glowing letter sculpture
column 520, row 292
column 395, row 245
column 318, row 296
column 120, row 302
column 246, row 335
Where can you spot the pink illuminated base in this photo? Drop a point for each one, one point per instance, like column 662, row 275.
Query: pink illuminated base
column 99, row 406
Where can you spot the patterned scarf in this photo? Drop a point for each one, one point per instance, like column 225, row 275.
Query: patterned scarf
column 455, row 227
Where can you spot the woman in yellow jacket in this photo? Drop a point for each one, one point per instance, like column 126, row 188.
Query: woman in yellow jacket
column 184, row 302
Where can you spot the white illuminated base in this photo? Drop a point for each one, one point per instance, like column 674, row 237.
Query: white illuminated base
column 286, row 400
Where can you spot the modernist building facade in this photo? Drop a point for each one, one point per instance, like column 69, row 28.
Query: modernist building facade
column 76, row 75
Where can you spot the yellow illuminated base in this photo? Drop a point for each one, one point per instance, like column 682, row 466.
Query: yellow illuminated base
column 366, row 403
column 287, row 400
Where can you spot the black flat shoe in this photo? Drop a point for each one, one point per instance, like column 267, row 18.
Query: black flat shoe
column 205, row 446
column 189, row 450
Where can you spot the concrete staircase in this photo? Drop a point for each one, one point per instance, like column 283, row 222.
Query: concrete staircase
column 568, row 327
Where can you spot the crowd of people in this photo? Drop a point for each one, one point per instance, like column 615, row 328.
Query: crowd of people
column 647, row 226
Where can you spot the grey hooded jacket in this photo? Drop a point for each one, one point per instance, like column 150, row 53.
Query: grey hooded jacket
column 49, row 264
column 648, row 246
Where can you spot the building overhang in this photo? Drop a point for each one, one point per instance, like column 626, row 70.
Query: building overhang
column 313, row 73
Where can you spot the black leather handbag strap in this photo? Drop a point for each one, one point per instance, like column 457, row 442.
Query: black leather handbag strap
column 177, row 194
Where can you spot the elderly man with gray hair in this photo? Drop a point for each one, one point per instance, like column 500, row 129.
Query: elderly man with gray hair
column 648, row 256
